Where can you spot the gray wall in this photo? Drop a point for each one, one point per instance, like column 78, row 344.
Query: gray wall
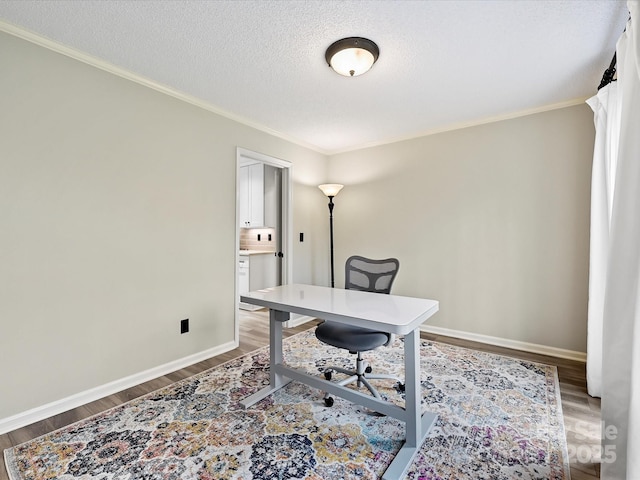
column 492, row 220
column 117, row 208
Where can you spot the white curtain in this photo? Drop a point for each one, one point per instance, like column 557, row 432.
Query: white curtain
column 606, row 111
column 614, row 279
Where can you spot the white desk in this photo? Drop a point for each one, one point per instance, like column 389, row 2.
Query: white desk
column 388, row 313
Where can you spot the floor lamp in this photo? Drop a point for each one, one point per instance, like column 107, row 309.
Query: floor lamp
column 331, row 190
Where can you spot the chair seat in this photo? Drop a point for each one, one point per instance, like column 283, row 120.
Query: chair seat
column 354, row 339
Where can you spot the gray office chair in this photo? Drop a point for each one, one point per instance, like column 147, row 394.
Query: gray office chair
column 372, row 276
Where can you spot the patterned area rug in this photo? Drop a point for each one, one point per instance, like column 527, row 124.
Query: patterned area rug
column 499, row 418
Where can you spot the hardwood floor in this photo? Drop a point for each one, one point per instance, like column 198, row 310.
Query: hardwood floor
column 581, row 412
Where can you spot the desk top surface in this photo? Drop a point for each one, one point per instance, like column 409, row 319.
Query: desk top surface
column 390, row 313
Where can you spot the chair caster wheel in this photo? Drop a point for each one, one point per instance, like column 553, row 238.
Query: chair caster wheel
column 401, row 387
column 327, row 374
column 368, row 369
column 328, row 401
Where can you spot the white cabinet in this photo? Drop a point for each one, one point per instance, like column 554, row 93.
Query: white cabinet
column 251, row 187
column 243, row 274
column 259, row 195
column 263, row 272
column 255, row 272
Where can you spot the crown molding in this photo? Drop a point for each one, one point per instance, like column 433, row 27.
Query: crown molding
column 472, row 123
column 96, row 62
column 88, row 59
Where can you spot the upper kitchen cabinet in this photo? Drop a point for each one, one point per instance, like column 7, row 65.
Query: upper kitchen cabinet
column 251, row 185
column 258, row 195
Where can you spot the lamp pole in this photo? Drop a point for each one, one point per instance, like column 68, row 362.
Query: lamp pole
column 331, row 190
column 331, row 237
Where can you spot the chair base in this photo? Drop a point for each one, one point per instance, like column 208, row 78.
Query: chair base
column 361, row 375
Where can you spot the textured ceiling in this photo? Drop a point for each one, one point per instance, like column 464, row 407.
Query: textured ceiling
column 442, row 63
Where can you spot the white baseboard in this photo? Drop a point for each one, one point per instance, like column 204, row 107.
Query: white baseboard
column 507, row 343
column 82, row 398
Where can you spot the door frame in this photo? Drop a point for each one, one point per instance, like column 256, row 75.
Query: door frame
column 243, row 155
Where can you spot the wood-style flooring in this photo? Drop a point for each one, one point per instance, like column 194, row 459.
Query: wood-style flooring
column 581, row 412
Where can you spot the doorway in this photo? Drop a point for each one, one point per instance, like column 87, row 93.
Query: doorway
column 268, row 230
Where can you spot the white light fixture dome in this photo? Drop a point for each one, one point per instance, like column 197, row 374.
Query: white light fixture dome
column 330, row 189
column 352, row 56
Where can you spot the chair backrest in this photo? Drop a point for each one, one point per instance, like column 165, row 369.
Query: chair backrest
column 377, row 276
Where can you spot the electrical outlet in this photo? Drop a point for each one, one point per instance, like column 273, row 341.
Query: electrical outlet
column 184, row 326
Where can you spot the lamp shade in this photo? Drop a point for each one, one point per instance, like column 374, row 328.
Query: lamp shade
column 352, row 56
column 330, row 189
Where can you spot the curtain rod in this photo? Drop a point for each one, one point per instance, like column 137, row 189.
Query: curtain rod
column 609, row 73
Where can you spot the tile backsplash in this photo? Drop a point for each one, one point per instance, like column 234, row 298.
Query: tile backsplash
column 249, row 239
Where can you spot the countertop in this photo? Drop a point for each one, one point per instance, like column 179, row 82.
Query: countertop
column 256, row 252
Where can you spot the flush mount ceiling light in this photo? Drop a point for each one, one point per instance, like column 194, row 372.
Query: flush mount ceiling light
column 352, row 56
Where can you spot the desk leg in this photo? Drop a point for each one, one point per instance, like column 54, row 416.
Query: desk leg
column 417, row 425
column 276, row 380
column 276, row 319
column 412, row 388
